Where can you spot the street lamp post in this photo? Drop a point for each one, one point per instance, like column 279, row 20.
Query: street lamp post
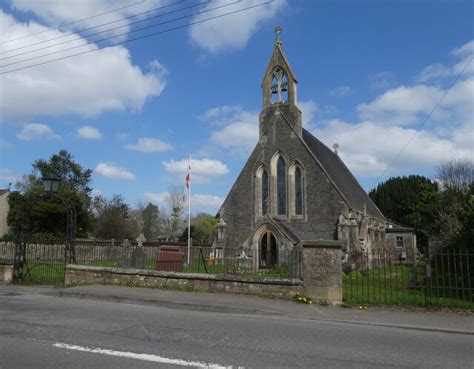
column 51, row 185
column 50, row 188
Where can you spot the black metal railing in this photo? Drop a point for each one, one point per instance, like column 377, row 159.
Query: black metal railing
column 381, row 278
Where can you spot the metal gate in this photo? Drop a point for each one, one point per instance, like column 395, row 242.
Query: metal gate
column 43, row 263
column 39, row 263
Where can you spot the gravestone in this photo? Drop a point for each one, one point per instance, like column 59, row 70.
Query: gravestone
column 125, row 247
column 244, row 261
column 138, row 255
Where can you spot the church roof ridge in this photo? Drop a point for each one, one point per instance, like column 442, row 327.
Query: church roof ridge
column 342, row 176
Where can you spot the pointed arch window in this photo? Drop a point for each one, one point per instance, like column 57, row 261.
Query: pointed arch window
column 281, row 186
column 279, row 87
column 264, row 192
column 298, row 191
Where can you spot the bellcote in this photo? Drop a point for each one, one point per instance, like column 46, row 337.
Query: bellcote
column 279, row 88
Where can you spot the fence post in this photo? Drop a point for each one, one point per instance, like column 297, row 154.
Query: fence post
column 322, row 270
column 125, row 246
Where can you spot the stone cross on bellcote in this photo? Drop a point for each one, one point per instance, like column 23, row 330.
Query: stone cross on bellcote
column 278, row 31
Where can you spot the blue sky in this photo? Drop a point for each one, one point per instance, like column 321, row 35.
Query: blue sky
column 369, row 73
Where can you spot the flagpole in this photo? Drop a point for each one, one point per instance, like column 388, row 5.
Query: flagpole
column 189, row 211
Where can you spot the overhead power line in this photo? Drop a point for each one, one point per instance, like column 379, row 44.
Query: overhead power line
column 71, row 23
column 88, row 29
column 143, row 37
column 422, row 123
column 126, row 33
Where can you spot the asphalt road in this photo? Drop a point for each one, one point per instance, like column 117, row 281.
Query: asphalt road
column 40, row 331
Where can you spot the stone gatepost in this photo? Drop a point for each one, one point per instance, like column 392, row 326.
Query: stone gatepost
column 322, row 270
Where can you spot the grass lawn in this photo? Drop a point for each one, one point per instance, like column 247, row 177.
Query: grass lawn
column 393, row 285
column 38, row 272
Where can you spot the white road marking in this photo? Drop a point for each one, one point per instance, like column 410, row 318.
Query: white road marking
column 145, row 357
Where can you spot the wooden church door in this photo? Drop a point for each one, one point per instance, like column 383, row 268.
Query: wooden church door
column 268, row 251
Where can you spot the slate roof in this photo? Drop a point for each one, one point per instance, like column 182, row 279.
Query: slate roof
column 341, row 176
column 394, row 227
column 287, row 229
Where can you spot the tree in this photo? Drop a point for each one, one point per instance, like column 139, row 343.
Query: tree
column 175, row 200
column 149, row 220
column 203, row 229
column 412, row 201
column 456, row 174
column 47, row 217
column 113, row 218
column 456, row 179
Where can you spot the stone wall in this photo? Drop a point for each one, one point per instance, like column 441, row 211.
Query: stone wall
column 81, row 275
column 320, row 277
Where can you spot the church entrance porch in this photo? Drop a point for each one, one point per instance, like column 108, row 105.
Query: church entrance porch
column 268, row 251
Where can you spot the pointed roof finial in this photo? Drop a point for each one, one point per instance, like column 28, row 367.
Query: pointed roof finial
column 278, row 35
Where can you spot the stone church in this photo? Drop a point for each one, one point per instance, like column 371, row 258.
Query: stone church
column 293, row 187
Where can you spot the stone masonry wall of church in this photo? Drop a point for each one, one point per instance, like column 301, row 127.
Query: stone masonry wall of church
column 323, row 204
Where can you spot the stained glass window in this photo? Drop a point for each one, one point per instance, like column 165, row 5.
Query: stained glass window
column 264, row 192
column 281, row 186
column 298, row 192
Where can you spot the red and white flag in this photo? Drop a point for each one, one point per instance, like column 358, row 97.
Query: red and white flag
column 188, row 176
column 188, row 182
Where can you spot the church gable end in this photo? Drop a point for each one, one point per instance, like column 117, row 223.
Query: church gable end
column 293, row 187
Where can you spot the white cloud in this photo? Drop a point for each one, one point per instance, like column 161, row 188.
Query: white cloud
column 434, row 71
column 233, row 31
column 382, row 80
column 89, row 133
column 238, row 137
column 148, row 144
column 201, row 169
column 36, row 131
column 85, row 85
column 207, row 202
column 308, row 112
column 110, row 170
column 437, row 72
column 199, row 202
column 6, row 175
column 226, row 114
column 240, row 132
column 58, row 12
column 367, row 148
column 340, row 91
column 401, row 105
column 409, row 105
column 157, row 197
column 385, row 131
column 238, row 128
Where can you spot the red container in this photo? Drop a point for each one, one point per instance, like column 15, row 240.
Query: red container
column 169, row 259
